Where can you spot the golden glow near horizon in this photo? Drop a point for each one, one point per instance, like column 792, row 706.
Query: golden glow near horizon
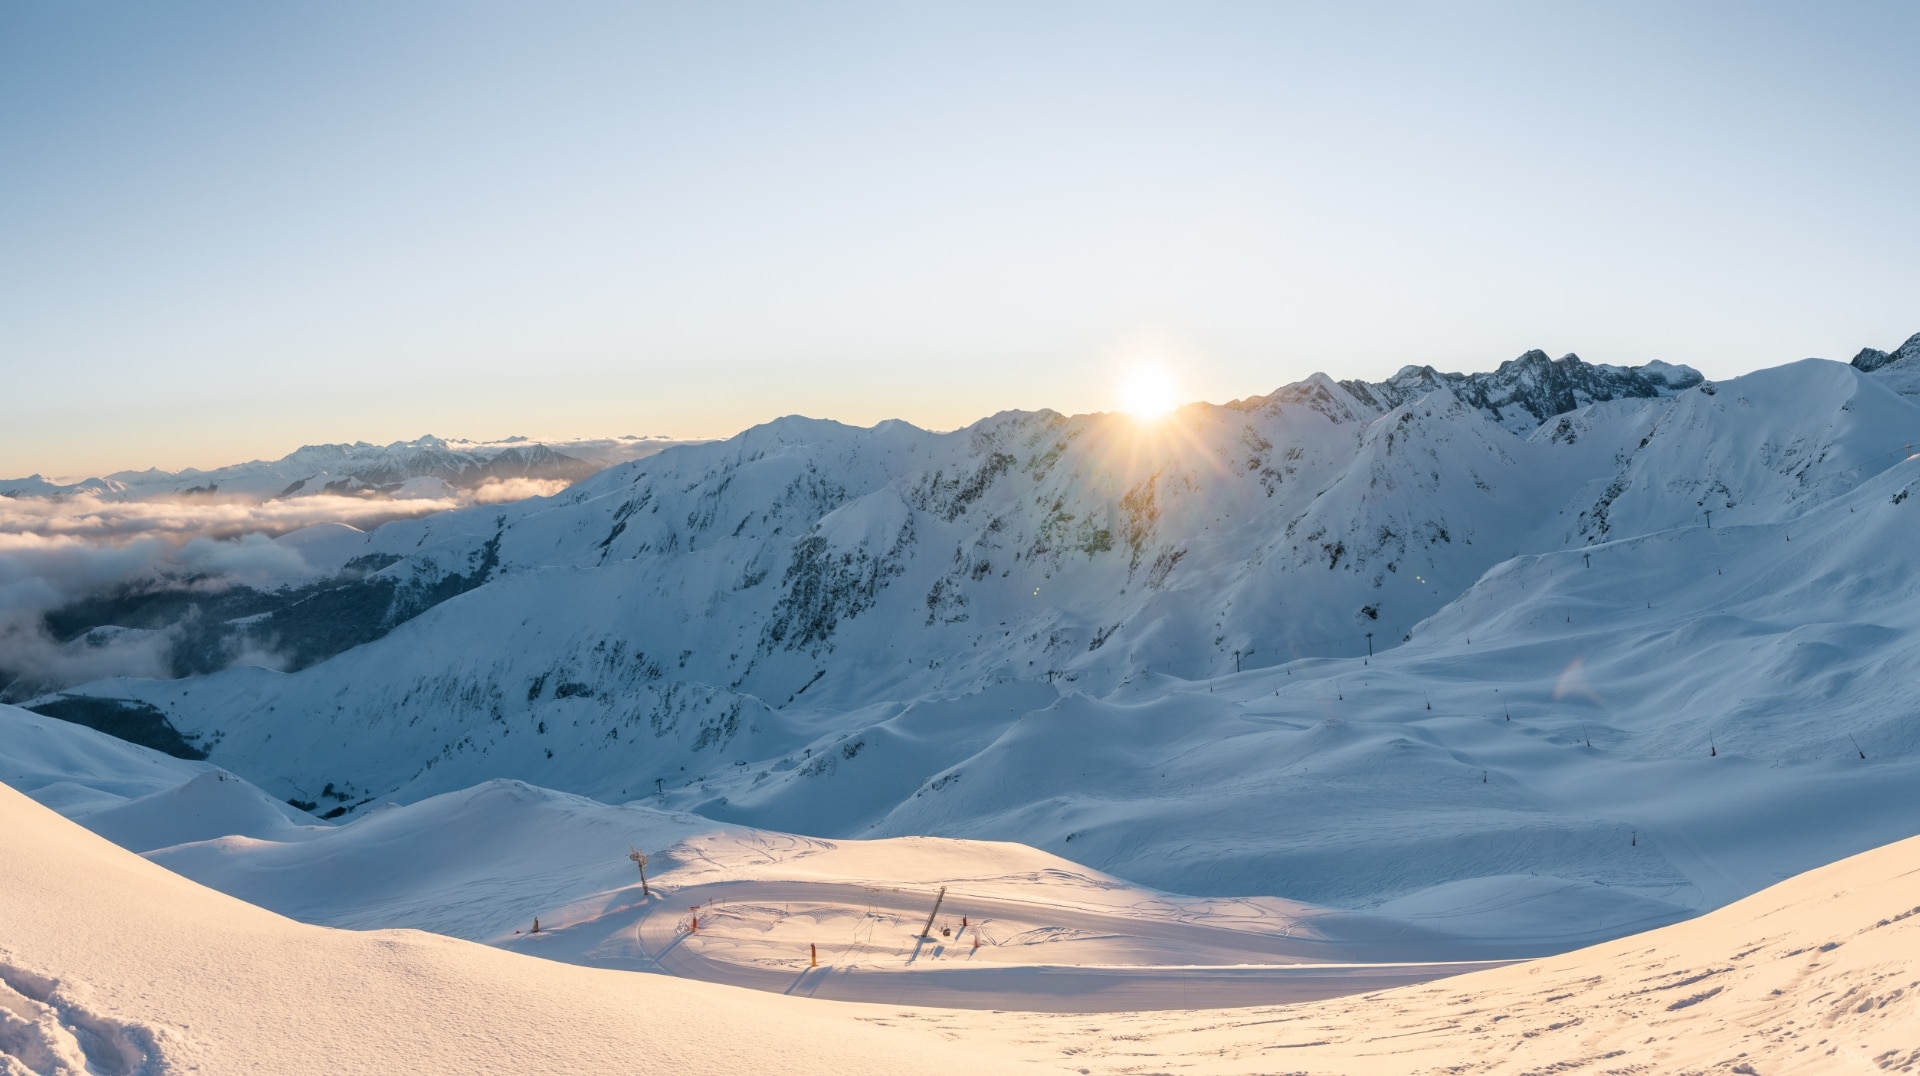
column 1148, row 393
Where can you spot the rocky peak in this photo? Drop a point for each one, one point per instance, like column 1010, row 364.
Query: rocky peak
column 1872, row 358
column 1526, row 391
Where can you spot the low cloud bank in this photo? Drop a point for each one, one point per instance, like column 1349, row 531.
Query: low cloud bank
column 502, row 490
column 187, row 516
column 41, row 574
column 63, row 553
column 183, row 518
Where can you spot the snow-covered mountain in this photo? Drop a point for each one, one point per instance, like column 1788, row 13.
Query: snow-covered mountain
column 425, row 466
column 1029, row 630
column 775, row 483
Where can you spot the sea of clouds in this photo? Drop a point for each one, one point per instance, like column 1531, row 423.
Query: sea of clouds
column 59, row 551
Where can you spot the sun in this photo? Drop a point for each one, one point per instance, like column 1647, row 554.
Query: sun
column 1148, row 393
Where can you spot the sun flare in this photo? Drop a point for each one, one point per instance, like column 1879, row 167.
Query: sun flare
column 1148, row 393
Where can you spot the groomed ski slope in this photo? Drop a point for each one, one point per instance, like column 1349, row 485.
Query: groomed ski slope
column 111, row 964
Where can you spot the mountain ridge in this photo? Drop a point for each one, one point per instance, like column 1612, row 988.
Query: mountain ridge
column 1016, row 631
column 363, row 469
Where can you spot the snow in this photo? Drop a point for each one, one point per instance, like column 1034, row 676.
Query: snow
column 1632, row 666
column 213, row 804
column 484, row 863
column 60, row 763
column 114, row 965
column 477, row 863
column 937, row 672
column 1812, row 975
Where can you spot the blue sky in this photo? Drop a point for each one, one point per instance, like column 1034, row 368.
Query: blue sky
column 229, row 229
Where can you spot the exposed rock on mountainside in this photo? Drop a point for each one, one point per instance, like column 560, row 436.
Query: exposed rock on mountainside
column 1870, row 359
column 1531, row 389
column 1899, row 368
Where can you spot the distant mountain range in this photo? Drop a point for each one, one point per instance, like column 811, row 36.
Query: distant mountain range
column 427, row 466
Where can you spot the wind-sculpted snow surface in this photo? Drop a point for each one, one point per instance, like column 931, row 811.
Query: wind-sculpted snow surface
column 1030, row 629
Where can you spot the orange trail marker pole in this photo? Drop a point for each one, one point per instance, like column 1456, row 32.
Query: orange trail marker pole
column 813, row 954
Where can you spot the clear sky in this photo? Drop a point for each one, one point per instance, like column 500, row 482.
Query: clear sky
column 227, row 229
